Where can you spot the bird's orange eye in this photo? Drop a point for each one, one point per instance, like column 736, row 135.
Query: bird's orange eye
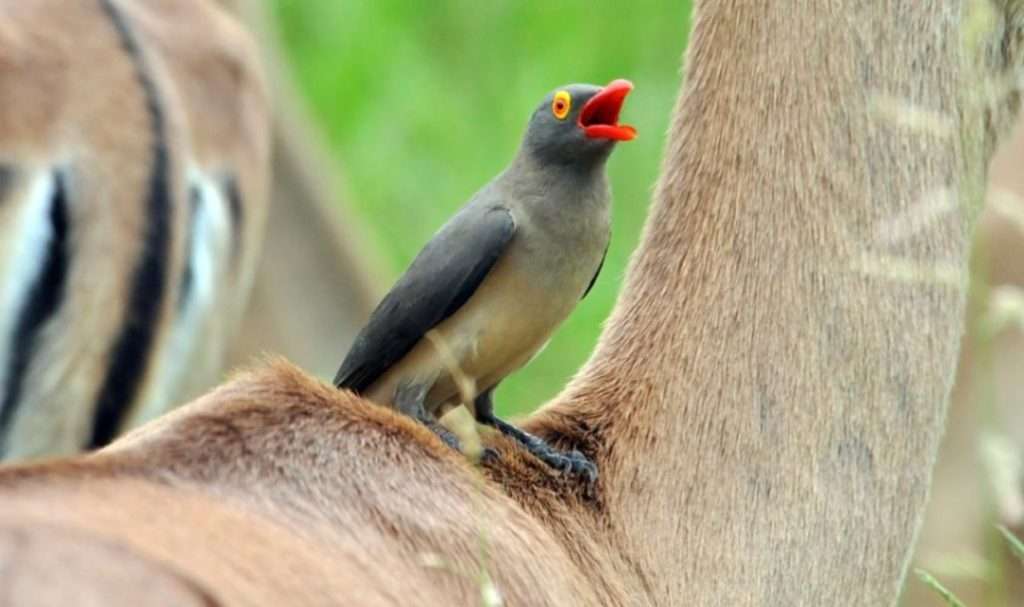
column 561, row 105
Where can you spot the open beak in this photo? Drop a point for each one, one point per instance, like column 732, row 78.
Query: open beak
column 599, row 118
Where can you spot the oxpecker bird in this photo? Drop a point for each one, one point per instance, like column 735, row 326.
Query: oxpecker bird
column 486, row 293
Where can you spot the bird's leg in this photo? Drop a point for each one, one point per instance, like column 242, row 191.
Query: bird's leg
column 409, row 399
column 573, row 462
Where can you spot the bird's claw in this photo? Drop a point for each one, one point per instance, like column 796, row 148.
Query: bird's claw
column 573, row 463
column 488, row 456
column 581, row 466
column 446, row 436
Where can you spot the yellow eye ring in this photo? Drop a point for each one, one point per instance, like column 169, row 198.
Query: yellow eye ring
column 561, row 105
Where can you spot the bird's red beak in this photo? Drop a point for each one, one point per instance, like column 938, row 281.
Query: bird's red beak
column 599, row 118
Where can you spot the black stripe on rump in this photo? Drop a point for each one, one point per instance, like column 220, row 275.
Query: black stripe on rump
column 237, row 215
column 44, row 298
column 130, row 356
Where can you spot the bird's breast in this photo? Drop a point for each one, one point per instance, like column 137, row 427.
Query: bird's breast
column 528, row 293
column 523, row 300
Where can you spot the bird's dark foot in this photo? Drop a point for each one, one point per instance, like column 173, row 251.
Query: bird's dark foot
column 574, row 462
column 409, row 400
column 488, row 456
column 446, row 436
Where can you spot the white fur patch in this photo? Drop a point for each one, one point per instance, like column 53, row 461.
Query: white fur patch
column 27, row 236
column 209, row 255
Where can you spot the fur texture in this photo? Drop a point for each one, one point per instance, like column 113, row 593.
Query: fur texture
column 764, row 406
column 133, row 107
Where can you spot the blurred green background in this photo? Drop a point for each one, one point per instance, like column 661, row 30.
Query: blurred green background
column 424, row 102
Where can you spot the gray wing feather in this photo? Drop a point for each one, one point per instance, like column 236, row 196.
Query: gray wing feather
column 598, row 271
column 440, row 280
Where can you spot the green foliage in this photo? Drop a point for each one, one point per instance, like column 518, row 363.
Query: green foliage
column 1012, row 541
column 424, row 102
column 939, row 589
column 1016, row 546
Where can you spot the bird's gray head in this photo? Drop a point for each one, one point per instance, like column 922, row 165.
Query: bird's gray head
column 578, row 124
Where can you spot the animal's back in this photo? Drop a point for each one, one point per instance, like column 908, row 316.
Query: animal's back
column 279, row 489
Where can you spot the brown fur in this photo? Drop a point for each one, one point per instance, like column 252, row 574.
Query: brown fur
column 69, row 94
column 764, row 406
column 358, row 497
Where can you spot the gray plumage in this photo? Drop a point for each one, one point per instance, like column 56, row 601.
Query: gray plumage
column 498, row 278
column 440, row 280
